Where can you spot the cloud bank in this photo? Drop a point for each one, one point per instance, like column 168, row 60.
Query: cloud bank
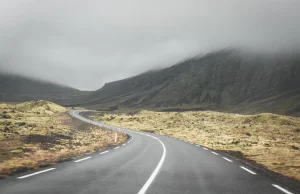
column 84, row 44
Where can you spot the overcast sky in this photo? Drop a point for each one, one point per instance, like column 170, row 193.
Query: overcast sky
column 86, row 43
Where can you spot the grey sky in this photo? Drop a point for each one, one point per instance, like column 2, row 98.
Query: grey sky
column 87, row 43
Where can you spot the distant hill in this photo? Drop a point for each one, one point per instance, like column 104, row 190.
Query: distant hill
column 229, row 79
column 18, row 88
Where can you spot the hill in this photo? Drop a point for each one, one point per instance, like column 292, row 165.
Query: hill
column 229, row 79
column 18, row 88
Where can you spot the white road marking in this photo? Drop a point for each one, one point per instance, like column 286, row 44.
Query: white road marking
column 116, row 147
column 282, row 189
column 155, row 172
column 104, row 152
column 215, row 153
column 205, row 148
column 83, row 159
column 197, row 145
column 159, row 165
column 22, row 177
column 124, row 144
column 246, row 169
column 227, row 159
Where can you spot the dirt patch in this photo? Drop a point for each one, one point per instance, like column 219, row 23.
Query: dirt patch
column 42, row 139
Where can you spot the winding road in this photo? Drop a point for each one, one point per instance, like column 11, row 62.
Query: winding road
column 146, row 163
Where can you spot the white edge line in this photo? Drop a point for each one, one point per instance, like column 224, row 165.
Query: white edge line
column 215, row 153
column 282, row 189
column 205, row 148
column 124, row 144
column 155, row 172
column 246, row 169
column 116, row 147
column 83, row 159
column 22, row 177
column 104, row 152
column 227, row 159
column 197, row 145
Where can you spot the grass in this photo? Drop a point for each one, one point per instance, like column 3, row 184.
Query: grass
column 40, row 133
column 269, row 139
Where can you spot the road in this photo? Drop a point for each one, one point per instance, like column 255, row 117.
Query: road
column 146, row 163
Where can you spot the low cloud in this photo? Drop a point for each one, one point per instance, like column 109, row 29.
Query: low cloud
column 87, row 43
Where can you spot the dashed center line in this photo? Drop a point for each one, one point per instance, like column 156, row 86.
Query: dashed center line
column 22, row 177
column 227, row 159
column 246, row 169
column 116, row 147
column 215, row 153
column 104, row 152
column 282, row 189
column 83, row 159
column 205, row 148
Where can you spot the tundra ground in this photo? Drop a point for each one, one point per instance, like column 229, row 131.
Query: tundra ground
column 40, row 133
column 269, row 139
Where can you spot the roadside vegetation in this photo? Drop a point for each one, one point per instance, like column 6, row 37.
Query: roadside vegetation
column 40, row 133
column 268, row 139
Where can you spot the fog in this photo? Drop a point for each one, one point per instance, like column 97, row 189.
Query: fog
column 85, row 44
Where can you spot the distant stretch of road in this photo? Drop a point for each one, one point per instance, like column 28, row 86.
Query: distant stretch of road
column 146, row 163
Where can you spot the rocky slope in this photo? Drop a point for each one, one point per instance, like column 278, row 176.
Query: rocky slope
column 223, row 79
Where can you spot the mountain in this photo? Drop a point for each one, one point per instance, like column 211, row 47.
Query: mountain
column 229, row 79
column 18, row 88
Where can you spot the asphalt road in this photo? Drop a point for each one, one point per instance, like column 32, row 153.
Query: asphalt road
column 146, row 163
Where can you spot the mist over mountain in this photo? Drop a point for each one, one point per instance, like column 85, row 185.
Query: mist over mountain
column 232, row 79
column 227, row 79
column 87, row 44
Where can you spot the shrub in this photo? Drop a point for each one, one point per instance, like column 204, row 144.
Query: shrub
column 19, row 151
column 295, row 147
column 247, row 120
column 5, row 116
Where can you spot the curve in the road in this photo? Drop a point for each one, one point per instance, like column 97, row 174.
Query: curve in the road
column 160, row 163
column 133, row 167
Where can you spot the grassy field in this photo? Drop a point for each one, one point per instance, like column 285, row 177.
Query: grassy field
column 271, row 140
column 40, row 133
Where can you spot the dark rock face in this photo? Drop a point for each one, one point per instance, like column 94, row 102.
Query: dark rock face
column 224, row 78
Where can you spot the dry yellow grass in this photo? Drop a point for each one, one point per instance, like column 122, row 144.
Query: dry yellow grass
column 269, row 139
column 39, row 133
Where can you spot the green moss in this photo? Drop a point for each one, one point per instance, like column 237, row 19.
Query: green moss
column 5, row 116
column 18, row 151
